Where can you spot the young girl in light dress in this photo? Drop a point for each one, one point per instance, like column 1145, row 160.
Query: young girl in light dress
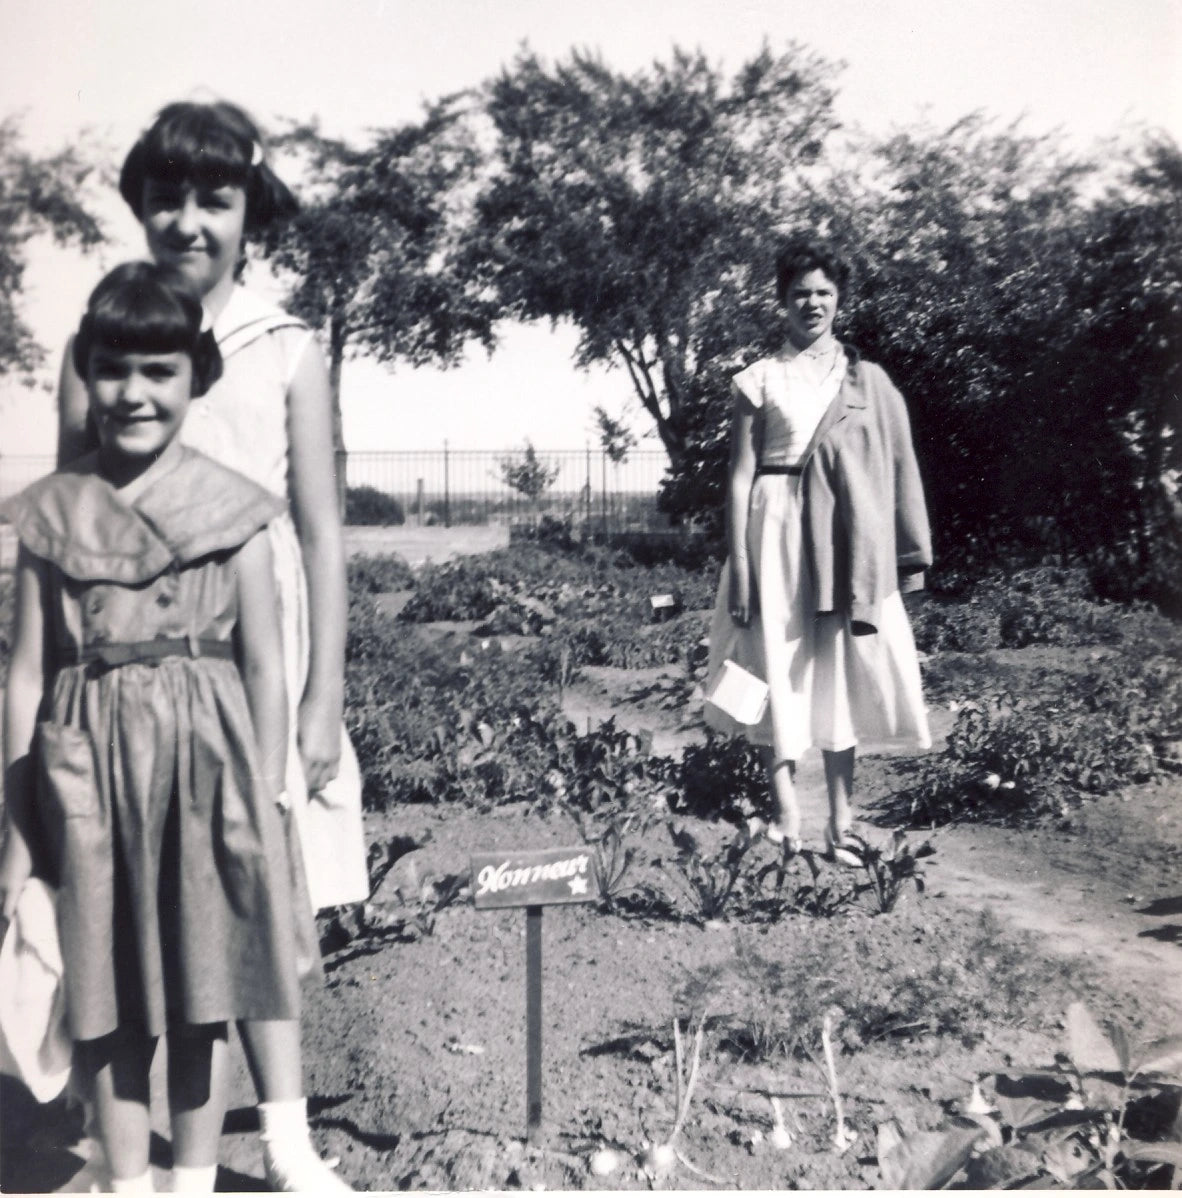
column 146, row 730
column 199, row 183
column 826, row 526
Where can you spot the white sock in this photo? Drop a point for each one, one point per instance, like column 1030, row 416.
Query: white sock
column 194, row 1179
column 284, row 1122
column 133, row 1185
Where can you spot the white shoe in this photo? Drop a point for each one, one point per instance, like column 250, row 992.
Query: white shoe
column 299, row 1170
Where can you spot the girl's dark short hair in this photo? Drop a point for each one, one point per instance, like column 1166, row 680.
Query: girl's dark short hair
column 213, row 145
column 142, row 307
column 805, row 252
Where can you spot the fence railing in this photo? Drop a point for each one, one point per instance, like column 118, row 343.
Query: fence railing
column 467, row 486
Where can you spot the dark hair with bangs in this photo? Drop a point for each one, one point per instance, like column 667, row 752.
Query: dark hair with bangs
column 213, row 145
column 142, row 307
column 804, row 252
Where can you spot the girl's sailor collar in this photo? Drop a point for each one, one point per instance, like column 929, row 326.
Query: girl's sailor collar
column 79, row 521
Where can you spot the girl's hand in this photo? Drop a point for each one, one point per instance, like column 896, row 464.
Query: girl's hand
column 740, row 594
column 319, row 741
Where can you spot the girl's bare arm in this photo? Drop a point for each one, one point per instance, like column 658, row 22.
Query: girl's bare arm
column 260, row 657
column 22, row 701
column 318, row 524
column 741, row 475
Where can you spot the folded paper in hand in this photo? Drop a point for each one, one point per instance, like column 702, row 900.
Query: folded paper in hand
column 738, row 693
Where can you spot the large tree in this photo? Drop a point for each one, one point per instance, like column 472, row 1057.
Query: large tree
column 639, row 208
column 965, row 240
column 370, row 251
column 38, row 195
column 1128, row 300
column 1033, row 318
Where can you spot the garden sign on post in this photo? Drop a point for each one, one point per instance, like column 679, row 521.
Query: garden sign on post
column 533, row 879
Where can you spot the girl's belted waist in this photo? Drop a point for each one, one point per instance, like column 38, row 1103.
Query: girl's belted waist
column 777, row 468
column 122, row 653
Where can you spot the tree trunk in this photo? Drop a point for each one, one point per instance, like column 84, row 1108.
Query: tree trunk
column 336, row 358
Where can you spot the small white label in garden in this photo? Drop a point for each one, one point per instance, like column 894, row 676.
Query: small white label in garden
column 738, row 693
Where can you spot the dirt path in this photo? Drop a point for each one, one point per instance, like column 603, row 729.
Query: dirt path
column 1107, row 888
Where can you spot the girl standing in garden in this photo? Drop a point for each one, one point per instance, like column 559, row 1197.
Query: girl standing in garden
column 145, row 733
column 199, row 183
column 826, row 524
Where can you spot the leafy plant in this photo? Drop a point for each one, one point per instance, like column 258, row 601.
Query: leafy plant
column 613, row 858
column 411, row 916
column 781, row 894
column 1104, row 1116
column 890, row 869
column 711, row 882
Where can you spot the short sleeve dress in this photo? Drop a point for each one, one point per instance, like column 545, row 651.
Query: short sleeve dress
column 174, row 904
column 242, row 423
column 826, row 687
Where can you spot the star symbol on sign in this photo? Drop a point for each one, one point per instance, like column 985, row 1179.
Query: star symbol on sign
column 578, row 885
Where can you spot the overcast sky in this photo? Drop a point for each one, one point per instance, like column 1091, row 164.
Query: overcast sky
column 1091, row 68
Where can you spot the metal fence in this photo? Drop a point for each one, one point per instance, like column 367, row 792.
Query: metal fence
column 468, row 486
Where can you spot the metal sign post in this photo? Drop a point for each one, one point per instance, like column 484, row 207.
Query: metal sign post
column 534, row 879
column 533, row 1024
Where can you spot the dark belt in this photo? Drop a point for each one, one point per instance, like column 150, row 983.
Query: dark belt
column 778, row 470
column 123, row 653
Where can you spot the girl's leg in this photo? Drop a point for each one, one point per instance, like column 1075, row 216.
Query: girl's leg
column 198, row 1081
column 115, row 1073
column 839, row 780
column 272, row 1050
column 782, row 782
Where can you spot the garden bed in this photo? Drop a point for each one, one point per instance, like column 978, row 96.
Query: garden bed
column 504, row 724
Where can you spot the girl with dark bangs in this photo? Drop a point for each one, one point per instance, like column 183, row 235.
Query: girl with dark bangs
column 145, row 731
column 199, row 183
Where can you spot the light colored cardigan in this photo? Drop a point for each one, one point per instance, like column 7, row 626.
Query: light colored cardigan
column 865, row 521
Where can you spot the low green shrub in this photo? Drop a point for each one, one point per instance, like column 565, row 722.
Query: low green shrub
column 1016, row 758
column 379, row 574
column 1044, row 605
column 621, row 639
column 368, row 505
column 1054, row 606
column 966, row 625
column 722, row 779
column 434, row 722
column 457, row 590
column 595, row 610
